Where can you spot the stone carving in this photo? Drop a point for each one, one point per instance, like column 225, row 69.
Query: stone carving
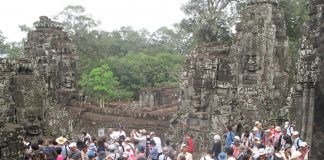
column 248, row 84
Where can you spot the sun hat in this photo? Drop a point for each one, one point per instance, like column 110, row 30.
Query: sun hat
column 262, row 151
column 303, row 144
column 222, row 156
column 127, row 139
column 278, row 129
column 91, row 154
column 217, row 138
column 61, row 140
column 295, row 133
column 73, row 144
column 183, row 145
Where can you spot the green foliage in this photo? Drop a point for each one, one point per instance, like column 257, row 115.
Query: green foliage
column 102, row 84
column 295, row 14
column 209, row 20
column 10, row 49
column 137, row 71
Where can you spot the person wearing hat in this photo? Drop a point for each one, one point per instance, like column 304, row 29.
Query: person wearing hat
column 286, row 152
column 75, row 153
column 217, row 146
column 141, row 136
column 262, row 154
column 62, row 142
column 91, row 155
column 154, row 153
column 278, row 139
column 222, row 156
column 297, row 141
column 141, row 152
column 164, row 155
column 288, row 128
column 304, row 151
column 184, row 152
column 209, row 155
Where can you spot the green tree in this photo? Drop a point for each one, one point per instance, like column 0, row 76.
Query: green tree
column 209, row 20
column 10, row 49
column 102, row 84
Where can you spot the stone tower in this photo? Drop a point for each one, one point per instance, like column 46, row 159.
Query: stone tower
column 237, row 85
column 55, row 57
column 260, row 53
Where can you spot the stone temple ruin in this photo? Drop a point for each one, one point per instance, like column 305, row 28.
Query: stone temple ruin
column 221, row 85
column 248, row 81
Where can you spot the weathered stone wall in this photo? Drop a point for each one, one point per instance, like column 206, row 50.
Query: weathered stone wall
column 236, row 85
column 151, row 97
column 309, row 89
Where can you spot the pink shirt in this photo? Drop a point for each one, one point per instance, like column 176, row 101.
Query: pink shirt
column 59, row 157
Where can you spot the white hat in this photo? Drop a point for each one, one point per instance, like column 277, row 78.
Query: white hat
column 183, row 145
column 278, row 128
column 303, row 144
column 257, row 122
column 267, row 131
column 217, row 138
column 255, row 129
column 237, row 138
column 73, row 144
column 262, row 151
column 295, row 133
column 295, row 155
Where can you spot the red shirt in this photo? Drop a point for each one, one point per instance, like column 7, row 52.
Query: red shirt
column 190, row 146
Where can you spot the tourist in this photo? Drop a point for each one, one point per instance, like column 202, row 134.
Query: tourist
column 288, row 128
column 154, row 153
column 84, row 152
column 35, row 153
column 58, row 151
column 62, row 142
column 229, row 137
column 101, row 144
column 141, row 152
column 172, row 153
column 208, row 156
column 262, row 155
column 269, row 148
column 278, row 139
column 141, row 136
column 92, row 145
column 129, row 148
column 286, row 152
column 296, row 141
column 164, row 155
column 247, row 139
column 235, row 146
column 184, row 153
column 273, row 128
column 49, row 150
column 304, row 151
column 189, row 142
column 217, row 146
column 157, row 141
column 86, row 138
column 111, row 150
column 91, row 155
column 101, row 155
column 222, row 156
column 75, row 153
column 229, row 153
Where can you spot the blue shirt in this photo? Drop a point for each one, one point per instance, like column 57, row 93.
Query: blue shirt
column 229, row 139
column 154, row 153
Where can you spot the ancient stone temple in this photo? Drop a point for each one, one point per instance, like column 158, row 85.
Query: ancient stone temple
column 45, row 77
column 308, row 110
column 237, row 85
column 54, row 55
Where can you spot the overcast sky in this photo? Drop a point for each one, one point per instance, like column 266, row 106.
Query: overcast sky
column 149, row 14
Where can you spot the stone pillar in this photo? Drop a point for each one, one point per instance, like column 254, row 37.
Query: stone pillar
column 305, row 109
column 298, row 105
column 310, row 124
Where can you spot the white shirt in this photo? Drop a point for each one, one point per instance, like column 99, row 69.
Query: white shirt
column 162, row 157
column 187, row 155
column 207, row 157
column 157, row 140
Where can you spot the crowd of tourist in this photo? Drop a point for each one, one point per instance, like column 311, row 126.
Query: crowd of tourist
column 282, row 143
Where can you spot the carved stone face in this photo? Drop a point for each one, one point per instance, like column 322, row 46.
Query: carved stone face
column 68, row 80
column 33, row 125
column 251, row 62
